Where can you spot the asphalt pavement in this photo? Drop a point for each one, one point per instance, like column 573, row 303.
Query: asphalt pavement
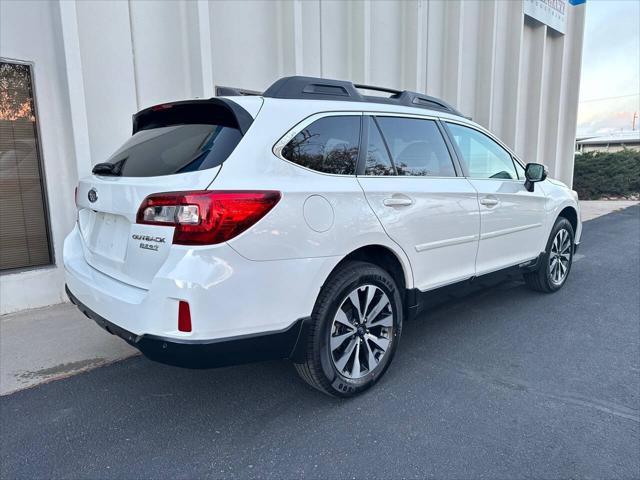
column 499, row 382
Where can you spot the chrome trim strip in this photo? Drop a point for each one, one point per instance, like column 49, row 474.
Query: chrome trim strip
column 425, row 116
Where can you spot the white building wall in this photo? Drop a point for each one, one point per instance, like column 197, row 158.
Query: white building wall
column 98, row 62
column 30, row 32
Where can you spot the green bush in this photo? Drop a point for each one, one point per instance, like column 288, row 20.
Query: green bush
column 603, row 174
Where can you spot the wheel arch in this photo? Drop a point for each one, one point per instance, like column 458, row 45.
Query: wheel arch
column 385, row 258
column 571, row 214
column 390, row 261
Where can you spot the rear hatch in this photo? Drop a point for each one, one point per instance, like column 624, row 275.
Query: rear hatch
column 174, row 147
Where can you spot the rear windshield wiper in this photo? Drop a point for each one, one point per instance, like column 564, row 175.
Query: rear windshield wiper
column 108, row 168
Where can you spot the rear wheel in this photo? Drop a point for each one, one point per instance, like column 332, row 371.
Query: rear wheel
column 555, row 264
column 355, row 328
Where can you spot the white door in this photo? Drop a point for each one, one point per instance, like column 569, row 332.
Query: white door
column 423, row 206
column 511, row 218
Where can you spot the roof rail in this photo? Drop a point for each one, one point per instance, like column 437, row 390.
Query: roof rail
column 314, row 88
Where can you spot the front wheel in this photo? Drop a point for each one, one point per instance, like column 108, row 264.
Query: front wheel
column 555, row 264
column 356, row 325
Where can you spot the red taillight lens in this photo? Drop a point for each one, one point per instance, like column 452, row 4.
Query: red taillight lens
column 184, row 317
column 206, row 217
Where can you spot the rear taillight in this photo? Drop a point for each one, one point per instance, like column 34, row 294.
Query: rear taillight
column 206, row 217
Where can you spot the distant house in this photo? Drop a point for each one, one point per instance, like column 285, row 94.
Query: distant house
column 609, row 143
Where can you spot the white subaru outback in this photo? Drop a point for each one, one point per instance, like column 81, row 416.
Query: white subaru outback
column 304, row 223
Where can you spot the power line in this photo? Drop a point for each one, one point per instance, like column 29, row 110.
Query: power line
column 609, row 98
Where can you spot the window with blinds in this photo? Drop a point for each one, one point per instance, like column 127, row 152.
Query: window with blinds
column 24, row 230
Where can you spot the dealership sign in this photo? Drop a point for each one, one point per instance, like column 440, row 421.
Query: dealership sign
column 550, row 12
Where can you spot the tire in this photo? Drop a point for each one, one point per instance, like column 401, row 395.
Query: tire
column 546, row 277
column 339, row 333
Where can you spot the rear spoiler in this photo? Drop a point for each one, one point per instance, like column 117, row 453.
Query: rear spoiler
column 222, row 111
column 235, row 92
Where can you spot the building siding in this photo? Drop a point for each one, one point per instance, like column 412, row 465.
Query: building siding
column 101, row 61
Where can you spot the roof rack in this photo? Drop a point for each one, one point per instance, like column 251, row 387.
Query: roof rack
column 313, row 88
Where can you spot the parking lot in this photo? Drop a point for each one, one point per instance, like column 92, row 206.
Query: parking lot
column 500, row 382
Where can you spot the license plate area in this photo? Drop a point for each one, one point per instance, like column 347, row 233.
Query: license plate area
column 105, row 234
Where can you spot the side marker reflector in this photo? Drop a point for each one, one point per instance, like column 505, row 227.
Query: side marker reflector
column 184, row 317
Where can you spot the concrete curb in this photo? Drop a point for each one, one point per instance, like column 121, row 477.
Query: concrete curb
column 53, row 342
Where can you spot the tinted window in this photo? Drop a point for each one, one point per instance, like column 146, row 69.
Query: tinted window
column 328, row 145
column 176, row 149
column 417, row 147
column 378, row 161
column 482, row 157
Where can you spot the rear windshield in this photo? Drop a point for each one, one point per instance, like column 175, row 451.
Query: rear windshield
column 175, row 149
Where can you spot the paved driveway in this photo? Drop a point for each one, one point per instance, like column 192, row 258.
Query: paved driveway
column 500, row 383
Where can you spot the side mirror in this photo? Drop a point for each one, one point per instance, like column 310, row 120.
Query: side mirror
column 534, row 172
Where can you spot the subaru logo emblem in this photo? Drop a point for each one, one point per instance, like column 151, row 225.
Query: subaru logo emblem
column 93, row 195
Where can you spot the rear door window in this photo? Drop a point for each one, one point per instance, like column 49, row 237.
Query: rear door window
column 417, row 147
column 328, row 145
column 175, row 149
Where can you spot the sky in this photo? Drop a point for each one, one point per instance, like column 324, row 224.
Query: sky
column 610, row 80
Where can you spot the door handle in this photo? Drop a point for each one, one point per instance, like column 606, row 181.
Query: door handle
column 489, row 202
column 397, row 202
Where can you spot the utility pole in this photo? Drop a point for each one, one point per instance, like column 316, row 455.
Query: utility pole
column 635, row 117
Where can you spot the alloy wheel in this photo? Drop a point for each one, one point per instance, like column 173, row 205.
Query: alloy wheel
column 560, row 257
column 361, row 331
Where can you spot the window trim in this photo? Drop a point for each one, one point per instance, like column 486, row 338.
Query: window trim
column 364, row 148
column 374, row 119
column 441, row 122
column 457, row 164
column 287, row 137
column 457, row 168
column 41, row 171
column 514, row 158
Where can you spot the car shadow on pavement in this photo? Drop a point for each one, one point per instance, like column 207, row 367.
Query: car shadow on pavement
column 257, row 384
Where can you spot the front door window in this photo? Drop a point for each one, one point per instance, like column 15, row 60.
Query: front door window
column 482, row 157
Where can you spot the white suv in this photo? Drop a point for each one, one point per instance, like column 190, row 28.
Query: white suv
column 303, row 223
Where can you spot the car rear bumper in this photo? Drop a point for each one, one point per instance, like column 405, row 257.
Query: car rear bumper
column 287, row 343
column 228, row 295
